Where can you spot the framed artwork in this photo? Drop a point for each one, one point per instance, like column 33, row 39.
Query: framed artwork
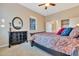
column 65, row 23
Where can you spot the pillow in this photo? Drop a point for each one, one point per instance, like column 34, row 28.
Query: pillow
column 59, row 32
column 74, row 32
column 66, row 32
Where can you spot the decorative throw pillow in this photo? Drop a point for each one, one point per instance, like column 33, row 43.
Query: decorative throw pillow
column 74, row 32
column 66, row 32
column 59, row 32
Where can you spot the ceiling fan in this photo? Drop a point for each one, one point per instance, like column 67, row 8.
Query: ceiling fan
column 47, row 5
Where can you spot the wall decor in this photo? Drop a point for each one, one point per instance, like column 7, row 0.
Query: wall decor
column 65, row 23
column 17, row 23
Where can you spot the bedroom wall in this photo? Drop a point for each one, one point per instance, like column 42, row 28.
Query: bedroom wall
column 9, row 11
column 72, row 14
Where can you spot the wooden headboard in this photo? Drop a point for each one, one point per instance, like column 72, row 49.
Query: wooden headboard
column 36, row 33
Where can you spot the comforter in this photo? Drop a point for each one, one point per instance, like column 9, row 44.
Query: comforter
column 64, row 44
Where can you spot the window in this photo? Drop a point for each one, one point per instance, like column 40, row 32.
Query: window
column 32, row 23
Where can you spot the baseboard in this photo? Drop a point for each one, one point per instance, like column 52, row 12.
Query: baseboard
column 5, row 45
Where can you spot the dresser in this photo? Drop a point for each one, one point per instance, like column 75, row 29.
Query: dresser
column 17, row 37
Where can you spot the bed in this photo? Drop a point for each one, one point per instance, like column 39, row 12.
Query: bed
column 55, row 44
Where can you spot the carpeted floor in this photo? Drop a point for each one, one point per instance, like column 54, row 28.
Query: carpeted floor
column 23, row 49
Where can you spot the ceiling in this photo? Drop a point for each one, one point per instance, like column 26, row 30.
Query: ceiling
column 51, row 10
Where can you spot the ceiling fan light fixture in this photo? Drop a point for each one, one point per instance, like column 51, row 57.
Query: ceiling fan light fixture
column 47, row 4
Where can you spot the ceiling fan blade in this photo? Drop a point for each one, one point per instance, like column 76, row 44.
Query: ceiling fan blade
column 41, row 4
column 46, row 7
column 52, row 4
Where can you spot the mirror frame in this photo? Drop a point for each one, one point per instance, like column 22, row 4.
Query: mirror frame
column 16, row 27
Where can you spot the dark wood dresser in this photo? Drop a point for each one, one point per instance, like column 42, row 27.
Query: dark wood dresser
column 17, row 37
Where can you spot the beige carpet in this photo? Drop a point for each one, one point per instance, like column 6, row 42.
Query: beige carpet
column 22, row 50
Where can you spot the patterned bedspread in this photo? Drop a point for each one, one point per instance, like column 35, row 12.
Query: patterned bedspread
column 64, row 44
column 67, row 46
